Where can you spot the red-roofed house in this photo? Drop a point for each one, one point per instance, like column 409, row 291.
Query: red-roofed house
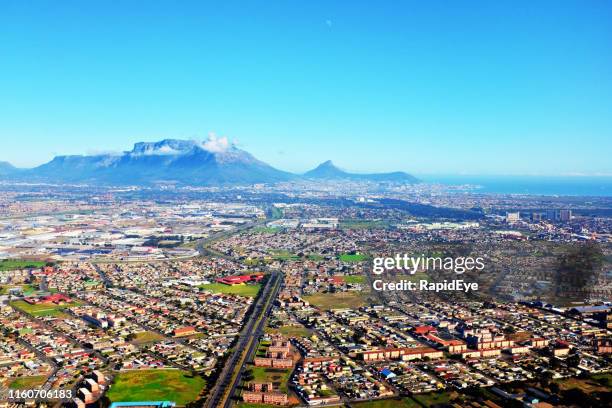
column 241, row 279
column 424, row 329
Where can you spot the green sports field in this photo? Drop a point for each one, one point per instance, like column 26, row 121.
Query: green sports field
column 11, row 264
column 28, row 290
column 364, row 224
column 156, row 385
column 249, row 290
column 354, row 279
column 42, row 310
column 353, row 257
column 283, row 255
column 266, row 230
column 315, row 257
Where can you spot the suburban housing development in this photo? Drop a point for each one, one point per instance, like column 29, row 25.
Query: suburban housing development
column 250, row 300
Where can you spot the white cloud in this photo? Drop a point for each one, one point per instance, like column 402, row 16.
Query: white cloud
column 100, row 152
column 166, row 150
column 216, row 144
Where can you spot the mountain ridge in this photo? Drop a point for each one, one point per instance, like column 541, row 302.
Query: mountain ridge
column 329, row 171
column 7, row 168
column 184, row 162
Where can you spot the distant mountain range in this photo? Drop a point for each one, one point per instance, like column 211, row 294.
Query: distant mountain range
column 7, row 168
column 328, row 171
column 178, row 161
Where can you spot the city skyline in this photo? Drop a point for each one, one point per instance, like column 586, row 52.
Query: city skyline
column 372, row 88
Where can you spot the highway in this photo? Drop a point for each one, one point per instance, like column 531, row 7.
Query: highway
column 229, row 378
column 202, row 244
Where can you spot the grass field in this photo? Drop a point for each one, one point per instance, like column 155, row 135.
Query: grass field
column 389, row 403
column 254, row 261
column 605, row 378
column 290, row 331
column 156, row 385
column 29, row 289
column 146, row 337
column 24, row 383
column 432, row 398
column 262, row 348
column 419, row 400
column 242, row 290
column 266, row 230
column 26, row 289
column 42, row 310
column 277, row 213
column 363, row 224
column 283, row 255
column 352, row 257
column 11, row 264
column 596, row 383
column 340, row 300
column 354, row 279
column 277, row 377
column 315, row 257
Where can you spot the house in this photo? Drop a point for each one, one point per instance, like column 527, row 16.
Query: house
column 388, row 374
column 242, row 279
column 184, row 331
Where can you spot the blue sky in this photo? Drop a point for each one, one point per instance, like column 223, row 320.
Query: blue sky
column 471, row 87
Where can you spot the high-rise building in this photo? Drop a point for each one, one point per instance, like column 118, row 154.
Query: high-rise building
column 565, row 215
column 513, row 216
column 551, row 215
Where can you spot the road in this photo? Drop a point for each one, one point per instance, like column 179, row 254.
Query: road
column 229, row 378
column 71, row 339
column 202, row 245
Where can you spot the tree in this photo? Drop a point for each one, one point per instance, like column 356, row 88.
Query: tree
column 578, row 266
column 576, row 396
column 547, row 377
column 554, row 388
column 573, row 360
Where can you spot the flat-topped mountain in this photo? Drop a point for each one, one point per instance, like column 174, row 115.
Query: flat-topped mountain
column 167, row 161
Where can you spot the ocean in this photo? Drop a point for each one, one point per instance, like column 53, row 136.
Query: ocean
column 531, row 185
